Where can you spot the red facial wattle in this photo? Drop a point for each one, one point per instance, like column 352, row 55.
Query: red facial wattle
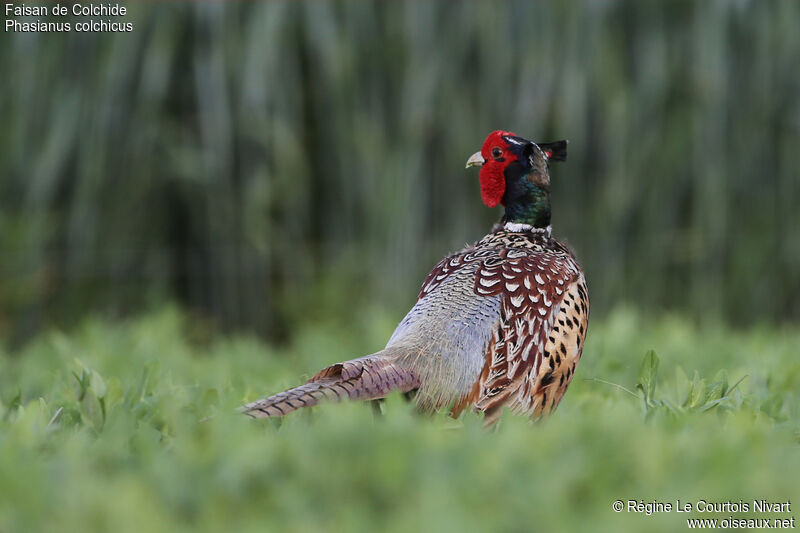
column 493, row 183
column 492, row 174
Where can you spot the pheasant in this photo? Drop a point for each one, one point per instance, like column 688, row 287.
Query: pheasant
column 498, row 324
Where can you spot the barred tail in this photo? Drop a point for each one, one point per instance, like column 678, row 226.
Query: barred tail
column 367, row 378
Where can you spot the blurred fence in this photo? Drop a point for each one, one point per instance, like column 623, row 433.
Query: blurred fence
column 263, row 161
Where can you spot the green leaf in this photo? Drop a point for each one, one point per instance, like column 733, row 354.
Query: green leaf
column 716, row 391
column 91, row 410
column 13, row 405
column 97, row 384
column 147, row 381
column 733, row 387
column 682, row 386
column 697, row 395
column 647, row 376
column 114, row 393
column 83, row 380
column 673, row 409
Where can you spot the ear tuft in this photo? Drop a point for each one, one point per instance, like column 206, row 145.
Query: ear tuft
column 555, row 151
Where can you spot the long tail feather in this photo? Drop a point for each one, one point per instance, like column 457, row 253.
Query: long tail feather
column 367, row 378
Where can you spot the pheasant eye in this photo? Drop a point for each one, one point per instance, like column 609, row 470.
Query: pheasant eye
column 497, row 153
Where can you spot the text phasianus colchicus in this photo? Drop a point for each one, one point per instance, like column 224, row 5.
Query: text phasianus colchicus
column 499, row 324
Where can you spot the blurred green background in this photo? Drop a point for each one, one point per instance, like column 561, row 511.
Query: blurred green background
column 214, row 206
column 264, row 162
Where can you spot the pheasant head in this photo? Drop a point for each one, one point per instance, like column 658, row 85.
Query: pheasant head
column 515, row 172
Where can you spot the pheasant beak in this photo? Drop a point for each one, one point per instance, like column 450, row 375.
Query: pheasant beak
column 475, row 160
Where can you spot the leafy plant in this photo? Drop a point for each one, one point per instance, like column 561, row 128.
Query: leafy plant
column 132, row 426
column 695, row 395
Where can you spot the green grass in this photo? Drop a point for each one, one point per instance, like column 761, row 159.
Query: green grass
column 130, row 426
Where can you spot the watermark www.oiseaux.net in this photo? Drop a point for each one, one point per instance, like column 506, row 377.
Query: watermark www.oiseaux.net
column 65, row 17
column 706, row 514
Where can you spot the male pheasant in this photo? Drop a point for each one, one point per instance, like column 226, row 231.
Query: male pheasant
column 500, row 323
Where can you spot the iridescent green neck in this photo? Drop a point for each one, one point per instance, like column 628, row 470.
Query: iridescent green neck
column 527, row 203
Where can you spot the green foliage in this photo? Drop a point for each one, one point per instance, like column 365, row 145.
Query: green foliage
column 647, row 377
column 239, row 156
column 694, row 395
column 131, row 426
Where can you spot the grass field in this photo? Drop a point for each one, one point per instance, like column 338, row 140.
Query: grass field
column 130, row 426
